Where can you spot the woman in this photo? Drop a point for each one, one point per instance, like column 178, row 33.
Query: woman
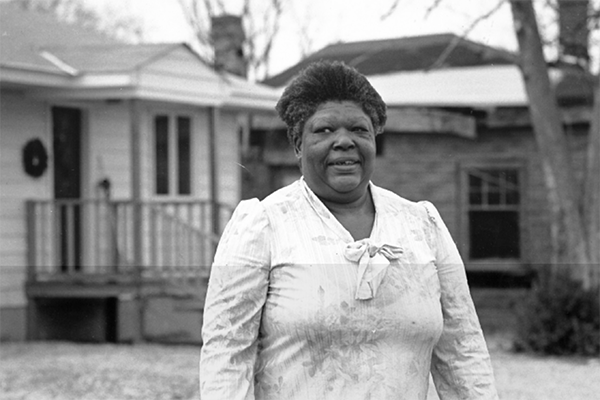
column 334, row 288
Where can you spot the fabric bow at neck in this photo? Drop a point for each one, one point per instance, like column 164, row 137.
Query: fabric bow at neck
column 373, row 261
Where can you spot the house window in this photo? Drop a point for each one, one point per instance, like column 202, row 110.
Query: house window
column 184, row 155
column 173, row 157
column 493, row 213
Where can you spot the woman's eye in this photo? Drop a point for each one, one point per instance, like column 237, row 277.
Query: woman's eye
column 360, row 129
column 323, row 129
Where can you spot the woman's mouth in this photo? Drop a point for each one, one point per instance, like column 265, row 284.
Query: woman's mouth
column 348, row 162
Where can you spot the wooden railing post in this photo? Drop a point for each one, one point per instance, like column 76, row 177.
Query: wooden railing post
column 137, row 237
column 31, row 241
column 130, row 234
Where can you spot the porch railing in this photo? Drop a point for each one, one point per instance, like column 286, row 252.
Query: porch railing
column 122, row 240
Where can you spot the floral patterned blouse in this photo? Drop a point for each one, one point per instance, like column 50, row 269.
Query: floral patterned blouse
column 297, row 309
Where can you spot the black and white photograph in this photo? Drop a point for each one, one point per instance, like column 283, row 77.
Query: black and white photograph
column 299, row 199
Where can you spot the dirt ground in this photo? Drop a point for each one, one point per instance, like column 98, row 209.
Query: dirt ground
column 530, row 377
column 66, row 371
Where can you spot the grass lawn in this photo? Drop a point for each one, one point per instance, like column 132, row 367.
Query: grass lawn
column 40, row 371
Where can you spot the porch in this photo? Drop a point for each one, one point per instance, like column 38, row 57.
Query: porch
column 103, row 268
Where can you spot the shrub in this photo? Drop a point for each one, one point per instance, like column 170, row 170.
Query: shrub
column 559, row 317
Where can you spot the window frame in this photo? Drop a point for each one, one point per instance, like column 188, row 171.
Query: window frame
column 173, row 117
column 464, row 207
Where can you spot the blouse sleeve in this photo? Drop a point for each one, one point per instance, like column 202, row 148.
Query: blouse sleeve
column 236, row 294
column 461, row 366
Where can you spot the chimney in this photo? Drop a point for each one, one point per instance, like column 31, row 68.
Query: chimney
column 573, row 31
column 228, row 40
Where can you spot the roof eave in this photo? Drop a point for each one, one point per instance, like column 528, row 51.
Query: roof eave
column 260, row 101
column 43, row 83
column 32, row 75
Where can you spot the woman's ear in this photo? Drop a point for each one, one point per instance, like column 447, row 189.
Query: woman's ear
column 298, row 146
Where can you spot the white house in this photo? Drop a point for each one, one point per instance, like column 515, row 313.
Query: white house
column 119, row 164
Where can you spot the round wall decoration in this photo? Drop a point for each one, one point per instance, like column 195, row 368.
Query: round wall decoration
column 35, row 158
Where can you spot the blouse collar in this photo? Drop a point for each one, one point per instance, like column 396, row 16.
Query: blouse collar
column 329, row 219
column 372, row 258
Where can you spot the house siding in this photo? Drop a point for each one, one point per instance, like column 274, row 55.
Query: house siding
column 22, row 119
column 425, row 167
column 110, row 149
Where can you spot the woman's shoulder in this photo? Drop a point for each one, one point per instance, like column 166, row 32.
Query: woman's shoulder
column 254, row 210
column 284, row 197
column 248, row 215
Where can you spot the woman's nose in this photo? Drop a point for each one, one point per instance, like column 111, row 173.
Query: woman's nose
column 343, row 140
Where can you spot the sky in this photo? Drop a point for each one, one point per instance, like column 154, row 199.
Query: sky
column 329, row 21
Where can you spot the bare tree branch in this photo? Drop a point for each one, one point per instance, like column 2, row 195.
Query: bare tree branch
column 436, row 4
column 448, row 50
column 261, row 26
column 220, row 5
column 271, row 24
column 391, row 10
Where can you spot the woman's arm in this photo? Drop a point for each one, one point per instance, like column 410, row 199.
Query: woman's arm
column 236, row 294
column 461, row 366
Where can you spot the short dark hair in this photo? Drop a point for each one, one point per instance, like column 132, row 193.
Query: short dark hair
column 325, row 81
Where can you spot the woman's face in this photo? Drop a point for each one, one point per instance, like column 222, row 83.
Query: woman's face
column 338, row 151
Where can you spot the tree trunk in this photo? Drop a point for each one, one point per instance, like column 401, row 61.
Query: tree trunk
column 552, row 144
column 592, row 189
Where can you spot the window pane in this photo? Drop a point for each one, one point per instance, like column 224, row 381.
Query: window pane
column 184, row 155
column 493, row 196
column 474, row 182
column 475, row 198
column 161, row 134
column 512, row 178
column 512, row 187
column 495, row 187
column 494, row 234
column 512, row 197
column 475, row 189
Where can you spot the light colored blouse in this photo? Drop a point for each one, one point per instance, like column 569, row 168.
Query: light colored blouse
column 297, row 309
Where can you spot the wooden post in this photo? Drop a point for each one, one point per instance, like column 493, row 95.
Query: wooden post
column 214, row 183
column 136, row 195
column 136, row 183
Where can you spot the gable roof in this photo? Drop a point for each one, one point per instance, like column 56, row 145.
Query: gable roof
column 111, row 57
column 376, row 57
column 52, row 58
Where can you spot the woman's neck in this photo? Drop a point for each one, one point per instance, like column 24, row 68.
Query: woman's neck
column 362, row 205
column 357, row 217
